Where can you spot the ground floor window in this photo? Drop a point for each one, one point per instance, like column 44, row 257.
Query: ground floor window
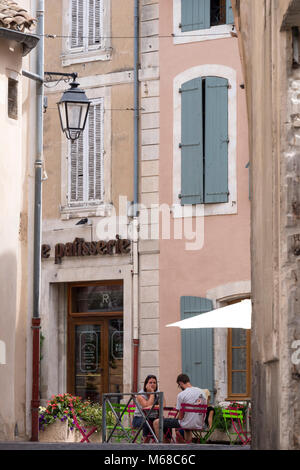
column 239, row 370
column 95, row 339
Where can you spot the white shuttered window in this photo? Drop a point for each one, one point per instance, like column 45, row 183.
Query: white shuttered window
column 86, row 24
column 86, row 161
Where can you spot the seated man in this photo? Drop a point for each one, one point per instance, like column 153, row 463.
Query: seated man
column 191, row 395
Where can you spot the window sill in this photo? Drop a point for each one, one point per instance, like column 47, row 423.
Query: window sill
column 74, row 212
column 238, row 398
column 215, row 32
column 70, row 58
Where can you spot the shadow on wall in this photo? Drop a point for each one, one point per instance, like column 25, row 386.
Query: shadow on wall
column 8, row 299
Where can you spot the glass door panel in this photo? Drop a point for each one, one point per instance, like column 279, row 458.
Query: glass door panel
column 115, row 355
column 88, row 361
column 97, row 298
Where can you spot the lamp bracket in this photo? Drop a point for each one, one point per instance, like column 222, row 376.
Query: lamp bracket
column 66, row 77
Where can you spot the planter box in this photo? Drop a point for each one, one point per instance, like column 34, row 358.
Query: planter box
column 219, row 436
column 59, row 432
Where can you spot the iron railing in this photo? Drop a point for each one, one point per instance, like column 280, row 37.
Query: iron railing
column 127, row 432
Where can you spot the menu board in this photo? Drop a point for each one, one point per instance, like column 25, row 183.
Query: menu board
column 117, row 345
column 88, row 347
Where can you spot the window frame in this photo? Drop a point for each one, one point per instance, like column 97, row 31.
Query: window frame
column 86, row 202
column 103, row 208
column 13, row 98
column 222, row 208
column 238, row 396
column 199, row 35
column 95, row 52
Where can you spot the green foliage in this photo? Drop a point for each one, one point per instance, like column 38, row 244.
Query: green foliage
column 87, row 413
column 219, row 420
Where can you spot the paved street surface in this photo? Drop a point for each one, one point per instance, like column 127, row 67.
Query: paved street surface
column 58, row 446
column 126, row 455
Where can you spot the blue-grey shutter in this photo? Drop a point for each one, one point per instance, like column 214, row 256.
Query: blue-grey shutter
column 197, row 345
column 195, row 14
column 216, row 140
column 191, row 142
column 229, row 13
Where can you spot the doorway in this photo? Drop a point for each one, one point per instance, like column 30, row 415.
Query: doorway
column 95, row 339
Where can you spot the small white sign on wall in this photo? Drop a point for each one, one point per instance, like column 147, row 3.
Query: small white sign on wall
column 2, row 352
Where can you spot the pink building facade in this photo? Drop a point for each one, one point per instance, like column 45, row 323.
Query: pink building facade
column 204, row 262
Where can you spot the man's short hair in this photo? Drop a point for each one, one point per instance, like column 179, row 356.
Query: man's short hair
column 183, row 378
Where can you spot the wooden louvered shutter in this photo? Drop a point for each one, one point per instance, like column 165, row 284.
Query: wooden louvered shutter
column 191, row 142
column 76, row 169
column 195, row 14
column 94, row 22
column 95, row 153
column 216, row 140
column 197, row 344
column 229, row 13
column 77, row 23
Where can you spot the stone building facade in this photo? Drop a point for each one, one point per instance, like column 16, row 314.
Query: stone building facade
column 269, row 45
column 17, row 108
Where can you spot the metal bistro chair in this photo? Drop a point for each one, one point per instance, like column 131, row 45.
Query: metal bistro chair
column 85, row 435
column 201, row 434
column 122, row 429
column 234, row 419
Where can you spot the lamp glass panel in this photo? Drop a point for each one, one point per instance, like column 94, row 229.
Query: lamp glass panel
column 63, row 116
column 84, row 107
column 74, row 115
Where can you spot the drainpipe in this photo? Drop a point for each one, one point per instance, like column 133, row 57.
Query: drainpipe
column 35, row 402
column 135, row 340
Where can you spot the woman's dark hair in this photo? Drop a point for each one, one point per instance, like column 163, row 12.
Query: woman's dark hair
column 147, row 380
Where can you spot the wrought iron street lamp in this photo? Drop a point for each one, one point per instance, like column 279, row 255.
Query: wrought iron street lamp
column 73, row 108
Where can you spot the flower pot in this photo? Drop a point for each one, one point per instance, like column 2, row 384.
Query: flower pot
column 60, row 432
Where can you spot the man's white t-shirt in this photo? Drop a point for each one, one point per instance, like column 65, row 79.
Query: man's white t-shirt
column 191, row 395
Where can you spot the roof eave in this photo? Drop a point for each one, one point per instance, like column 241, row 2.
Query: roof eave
column 29, row 41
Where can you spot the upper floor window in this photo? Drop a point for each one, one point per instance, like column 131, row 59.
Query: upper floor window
column 86, row 161
column 86, row 31
column 203, row 14
column 86, row 24
column 204, row 141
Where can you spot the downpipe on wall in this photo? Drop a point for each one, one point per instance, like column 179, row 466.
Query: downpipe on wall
column 35, row 402
column 135, row 289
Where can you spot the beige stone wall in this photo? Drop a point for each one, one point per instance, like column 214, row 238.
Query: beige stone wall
column 272, row 87
column 114, row 74
column 11, row 198
column 16, row 177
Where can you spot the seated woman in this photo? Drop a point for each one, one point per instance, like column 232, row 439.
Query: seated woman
column 146, row 401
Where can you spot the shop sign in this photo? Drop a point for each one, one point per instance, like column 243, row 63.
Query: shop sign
column 79, row 247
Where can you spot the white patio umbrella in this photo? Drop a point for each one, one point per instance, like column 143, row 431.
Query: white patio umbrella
column 232, row 316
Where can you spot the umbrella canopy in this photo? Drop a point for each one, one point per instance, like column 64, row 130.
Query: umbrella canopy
column 232, row 316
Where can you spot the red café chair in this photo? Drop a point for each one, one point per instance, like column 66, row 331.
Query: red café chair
column 200, row 409
column 85, row 437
